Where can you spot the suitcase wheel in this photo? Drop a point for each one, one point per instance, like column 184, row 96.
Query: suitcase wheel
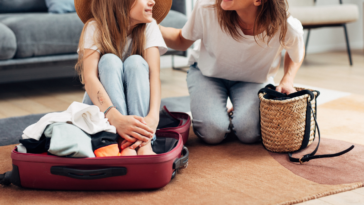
column 174, row 174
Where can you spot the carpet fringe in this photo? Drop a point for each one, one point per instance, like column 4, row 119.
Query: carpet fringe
column 348, row 188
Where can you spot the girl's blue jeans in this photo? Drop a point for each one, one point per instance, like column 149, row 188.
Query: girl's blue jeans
column 126, row 83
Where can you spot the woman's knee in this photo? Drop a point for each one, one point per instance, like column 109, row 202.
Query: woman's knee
column 136, row 64
column 210, row 131
column 110, row 63
column 246, row 129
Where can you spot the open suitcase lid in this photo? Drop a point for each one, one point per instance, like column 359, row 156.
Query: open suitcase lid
column 172, row 119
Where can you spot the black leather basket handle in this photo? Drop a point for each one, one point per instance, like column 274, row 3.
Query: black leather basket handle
column 312, row 155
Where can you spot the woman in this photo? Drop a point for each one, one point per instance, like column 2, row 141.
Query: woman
column 240, row 52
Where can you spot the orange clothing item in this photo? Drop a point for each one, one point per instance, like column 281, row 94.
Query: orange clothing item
column 108, row 151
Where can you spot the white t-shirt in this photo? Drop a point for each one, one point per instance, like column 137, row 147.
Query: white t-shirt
column 220, row 56
column 153, row 38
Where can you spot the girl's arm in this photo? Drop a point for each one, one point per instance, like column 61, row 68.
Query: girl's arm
column 128, row 127
column 174, row 39
column 290, row 71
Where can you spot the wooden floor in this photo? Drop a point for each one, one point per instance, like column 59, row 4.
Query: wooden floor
column 325, row 70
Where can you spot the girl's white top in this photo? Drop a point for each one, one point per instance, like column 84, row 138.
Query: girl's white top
column 153, row 36
column 220, row 56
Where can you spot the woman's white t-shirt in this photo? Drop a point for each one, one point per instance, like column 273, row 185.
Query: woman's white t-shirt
column 220, row 56
column 153, row 38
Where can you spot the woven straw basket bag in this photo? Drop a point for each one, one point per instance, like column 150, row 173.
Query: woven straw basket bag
column 283, row 121
column 288, row 122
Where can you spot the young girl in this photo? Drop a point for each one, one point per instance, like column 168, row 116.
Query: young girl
column 240, row 52
column 119, row 59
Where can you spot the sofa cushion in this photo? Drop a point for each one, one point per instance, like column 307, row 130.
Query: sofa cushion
column 60, row 7
column 45, row 34
column 174, row 19
column 13, row 6
column 7, row 43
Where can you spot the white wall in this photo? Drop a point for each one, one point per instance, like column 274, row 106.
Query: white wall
column 321, row 40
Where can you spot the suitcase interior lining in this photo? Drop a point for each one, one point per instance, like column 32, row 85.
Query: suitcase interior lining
column 164, row 144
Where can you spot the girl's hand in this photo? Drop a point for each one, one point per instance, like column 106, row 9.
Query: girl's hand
column 136, row 144
column 152, row 123
column 286, row 87
column 131, row 128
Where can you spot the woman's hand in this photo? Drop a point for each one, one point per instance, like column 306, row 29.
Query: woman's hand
column 131, row 128
column 286, row 87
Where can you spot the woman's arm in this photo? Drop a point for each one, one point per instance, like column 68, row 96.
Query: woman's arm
column 174, row 39
column 290, row 71
column 128, row 127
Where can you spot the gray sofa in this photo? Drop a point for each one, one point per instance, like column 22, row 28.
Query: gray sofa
column 35, row 44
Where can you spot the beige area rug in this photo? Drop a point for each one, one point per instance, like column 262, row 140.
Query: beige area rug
column 230, row 173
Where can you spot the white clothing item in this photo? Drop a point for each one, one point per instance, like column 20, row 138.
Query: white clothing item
column 221, row 56
column 86, row 117
column 21, row 148
column 153, row 38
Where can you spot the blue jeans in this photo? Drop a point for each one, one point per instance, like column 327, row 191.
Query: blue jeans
column 208, row 106
column 126, row 83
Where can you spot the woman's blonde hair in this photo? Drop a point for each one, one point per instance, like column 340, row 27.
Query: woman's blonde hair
column 112, row 18
column 272, row 17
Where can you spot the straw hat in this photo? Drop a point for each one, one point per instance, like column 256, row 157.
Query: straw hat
column 160, row 9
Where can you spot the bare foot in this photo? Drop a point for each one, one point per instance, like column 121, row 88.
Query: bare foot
column 128, row 152
column 146, row 150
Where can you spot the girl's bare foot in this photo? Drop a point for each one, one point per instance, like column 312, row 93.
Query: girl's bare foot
column 146, row 150
column 128, row 152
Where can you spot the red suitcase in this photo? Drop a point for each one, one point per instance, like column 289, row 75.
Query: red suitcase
column 108, row 173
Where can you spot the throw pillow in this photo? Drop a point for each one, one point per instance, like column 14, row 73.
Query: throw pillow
column 60, row 6
column 21, row 6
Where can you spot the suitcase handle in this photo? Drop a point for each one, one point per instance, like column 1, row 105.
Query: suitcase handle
column 89, row 174
column 183, row 161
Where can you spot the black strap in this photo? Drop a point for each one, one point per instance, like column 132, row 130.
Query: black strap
column 306, row 136
column 312, row 155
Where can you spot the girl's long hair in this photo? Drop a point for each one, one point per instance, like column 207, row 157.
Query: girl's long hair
column 113, row 21
column 272, row 17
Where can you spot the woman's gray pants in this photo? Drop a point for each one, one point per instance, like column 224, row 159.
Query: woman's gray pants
column 208, row 106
